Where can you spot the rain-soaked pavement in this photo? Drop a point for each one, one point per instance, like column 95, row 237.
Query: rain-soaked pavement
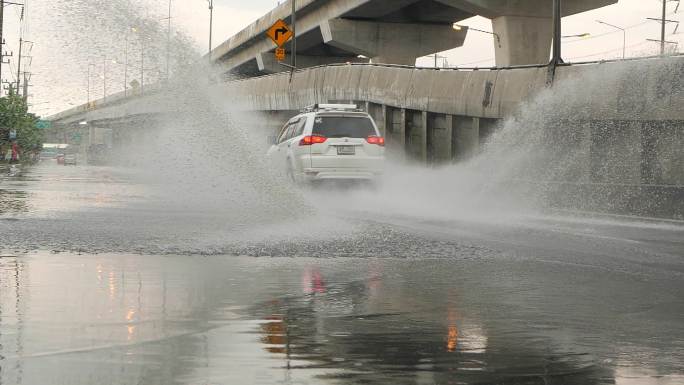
column 104, row 280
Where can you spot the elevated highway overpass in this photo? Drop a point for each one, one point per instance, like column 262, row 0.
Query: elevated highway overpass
column 396, row 32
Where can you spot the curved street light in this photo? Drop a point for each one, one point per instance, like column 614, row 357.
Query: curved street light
column 211, row 24
column 459, row 27
column 624, row 35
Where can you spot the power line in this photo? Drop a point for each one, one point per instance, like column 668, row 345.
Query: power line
column 608, row 51
column 613, row 32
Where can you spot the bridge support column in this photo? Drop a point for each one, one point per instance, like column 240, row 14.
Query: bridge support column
column 392, row 43
column 396, row 130
column 416, row 135
column 440, row 133
column 523, row 40
column 422, row 136
column 466, row 137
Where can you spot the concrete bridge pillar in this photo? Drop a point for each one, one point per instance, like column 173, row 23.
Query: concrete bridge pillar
column 522, row 40
column 466, row 137
column 440, row 138
column 416, row 135
column 391, row 43
column 395, row 128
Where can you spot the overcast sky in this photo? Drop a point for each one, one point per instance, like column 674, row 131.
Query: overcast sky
column 60, row 63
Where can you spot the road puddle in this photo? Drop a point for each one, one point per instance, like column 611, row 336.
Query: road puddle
column 122, row 319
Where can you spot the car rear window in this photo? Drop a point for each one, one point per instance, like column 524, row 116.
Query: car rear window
column 343, row 126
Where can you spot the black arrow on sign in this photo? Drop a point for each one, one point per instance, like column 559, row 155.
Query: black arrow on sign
column 281, row 30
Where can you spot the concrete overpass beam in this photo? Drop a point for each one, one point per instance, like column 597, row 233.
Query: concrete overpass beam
column 268, row 64
column 523, row 40
column 392, row 43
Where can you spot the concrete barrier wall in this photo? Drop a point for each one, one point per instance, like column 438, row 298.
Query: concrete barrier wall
column 486, row 94
column 628, row 91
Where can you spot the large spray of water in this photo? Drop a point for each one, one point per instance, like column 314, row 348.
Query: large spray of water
column 204, row 167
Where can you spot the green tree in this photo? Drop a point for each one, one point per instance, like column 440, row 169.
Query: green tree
column 14, row 115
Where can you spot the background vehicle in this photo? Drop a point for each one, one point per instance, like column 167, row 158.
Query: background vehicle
column 53, row 151
column 330, row 142
column 71, row 156
column 70, row 159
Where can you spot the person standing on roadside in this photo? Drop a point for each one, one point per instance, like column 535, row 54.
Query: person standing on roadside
column 15, row 153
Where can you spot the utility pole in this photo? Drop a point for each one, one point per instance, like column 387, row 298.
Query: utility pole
column 4, row 54
column 2, row 42
column 557, row 36
column 663, row 22
column 21, row 43
column 26, row 85
column 662, row 29
column 294, row 35
column 168, row 43
column 557, row 32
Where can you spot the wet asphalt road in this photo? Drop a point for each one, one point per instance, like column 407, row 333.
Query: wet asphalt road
column 108, row 278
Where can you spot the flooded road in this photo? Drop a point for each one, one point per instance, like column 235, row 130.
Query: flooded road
column 108, row 278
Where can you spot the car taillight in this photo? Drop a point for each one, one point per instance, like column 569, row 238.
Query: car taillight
column 379, row 140
column 313, row 139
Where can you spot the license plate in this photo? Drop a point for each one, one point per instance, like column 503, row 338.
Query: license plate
column 346, row 150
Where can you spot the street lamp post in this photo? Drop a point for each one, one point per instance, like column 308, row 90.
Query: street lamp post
column 168, row 43
column 126, row 66
column 211, row 24
column 624, row 35
column 104, row 78
column 142, row 59
column 459, row 27
column 88, row 91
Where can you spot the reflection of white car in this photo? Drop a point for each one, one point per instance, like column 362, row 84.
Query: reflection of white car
column 330, row 141
column 70, row 159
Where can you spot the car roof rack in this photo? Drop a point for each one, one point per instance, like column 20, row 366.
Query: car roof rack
column 332, row 107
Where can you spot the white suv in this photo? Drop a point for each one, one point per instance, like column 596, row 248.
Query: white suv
column 330, row 141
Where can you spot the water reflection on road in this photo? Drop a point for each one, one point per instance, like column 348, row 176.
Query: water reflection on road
column 126, row 319
column 108, row 278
